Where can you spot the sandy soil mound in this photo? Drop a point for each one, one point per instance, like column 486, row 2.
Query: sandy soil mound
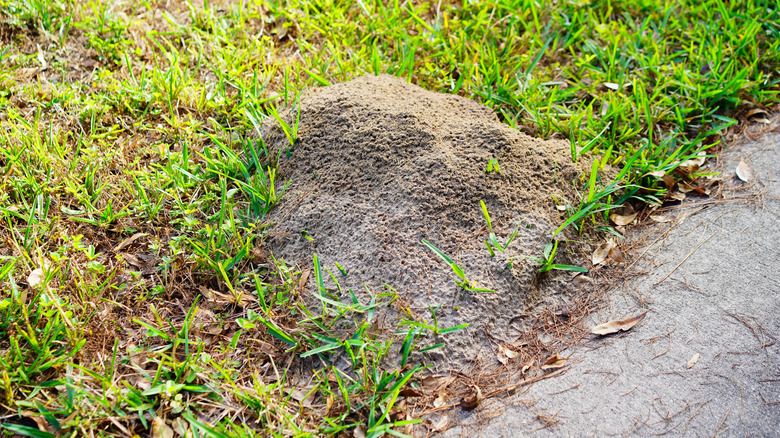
column 381, row 164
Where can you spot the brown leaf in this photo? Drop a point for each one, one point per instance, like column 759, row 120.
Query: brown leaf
column 554, row 362
column 582, row 280
column 329, row 403
column 303, row 280
column 617, row 325
column 129, row 241
column 160, row 429
column 471, row 402
column 180, row 426
column 744, row 172
column 438, row 401
column 442, row 424
column 692, row 361
column 602, row 252
column 410, row 392
column 436, row 382
column 623, row 220
column 359, row 432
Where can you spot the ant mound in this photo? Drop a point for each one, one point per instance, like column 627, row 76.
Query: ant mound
column 380, row 165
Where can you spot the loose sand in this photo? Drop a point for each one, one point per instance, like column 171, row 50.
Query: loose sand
column 381, row 164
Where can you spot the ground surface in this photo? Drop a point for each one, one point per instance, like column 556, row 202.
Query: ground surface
column 721, row 303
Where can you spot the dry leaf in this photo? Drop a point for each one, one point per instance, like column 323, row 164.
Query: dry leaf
column 617, row 325
column 436, row 382
column 582, row 280
column 329, row 403
column 692, row 361
column 180, row 427
column 623, row 220
column 677, row 196
column 602, row 252
column 661, row 218
column 473, row 400
column 303, row 280
column 612, row 86
column 160, row 429
column 504, row 354
column 527, row 367
column 438, row 402
column 129, row 241
column 358, row 432
column 694, row 163
column 35, row 278
column 37, row 418
column 554, row 362
column 442, row 424
column 410, row 392
column 744, row 172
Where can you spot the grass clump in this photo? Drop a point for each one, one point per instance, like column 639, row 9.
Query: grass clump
column 137, row 294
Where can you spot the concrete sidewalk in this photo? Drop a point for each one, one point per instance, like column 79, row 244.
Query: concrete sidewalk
column 721, row 304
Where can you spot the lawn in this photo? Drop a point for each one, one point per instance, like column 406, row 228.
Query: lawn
column 138, row 297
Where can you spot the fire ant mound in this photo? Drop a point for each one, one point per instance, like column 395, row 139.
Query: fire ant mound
column 380, row 164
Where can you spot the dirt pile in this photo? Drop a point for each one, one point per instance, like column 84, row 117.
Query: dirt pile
column 381, row 164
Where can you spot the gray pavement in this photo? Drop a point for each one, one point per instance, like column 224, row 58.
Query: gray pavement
column 721, row 304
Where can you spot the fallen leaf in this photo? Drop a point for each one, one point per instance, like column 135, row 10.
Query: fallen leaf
column 756, row 111
column 35, row 278
column 436, row 382
column 694, row 163
column 37, row 418
column 442, row 424
column 473, row 400
column 744, row 172
column 661, row 218
column 527, row 367
column 329, row 403
column 612, row 86
column 160, row 429
column 582, row 280
column 438, row 402
column 303, row 280
column 180, row 427
column 623, row 220
column 617, row 325
column 554, row 362
column 358, row 432
column 658, row 174
column 602, row 252
column 129, row 241
column 677, row 196
column 410, row 392
column 504, row 354
column 692, row 361
column 510, row 353
column 669, row 181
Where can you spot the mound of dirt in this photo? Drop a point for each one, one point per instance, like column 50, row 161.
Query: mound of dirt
column 381, row 164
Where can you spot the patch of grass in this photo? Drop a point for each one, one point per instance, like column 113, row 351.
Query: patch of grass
column 120, row 120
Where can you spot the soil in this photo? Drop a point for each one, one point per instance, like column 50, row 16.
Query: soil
column 380, row 164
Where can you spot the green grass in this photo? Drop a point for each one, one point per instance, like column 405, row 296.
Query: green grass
column 119, row 118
